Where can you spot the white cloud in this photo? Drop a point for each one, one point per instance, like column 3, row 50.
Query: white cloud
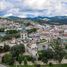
column 6, row 15
column 37, row 4
column 4, row 5
column 48, row 7
column 53, row 7
column 13, row 11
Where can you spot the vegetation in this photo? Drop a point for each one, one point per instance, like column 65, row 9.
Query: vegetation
column 27, row 24
column 29, row 58
column 50, row 64
column 42, row 40
column 20, row 58
column 17, row 49
column 11, row 31
column 59, row 52
column 16, row 54
column 32, row 30
column 4, row 48
column 45, row 55
column 56, row 53
column 13, row 54
column 2, row 29
column 56, row 65
column 7, row 59
column 9, row 36
column 25, row 61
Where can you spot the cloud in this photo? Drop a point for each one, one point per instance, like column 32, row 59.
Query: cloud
column 26, row 8
column 4, row 5
column 37, row 4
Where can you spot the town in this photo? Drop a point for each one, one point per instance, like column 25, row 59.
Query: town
column 29, row 39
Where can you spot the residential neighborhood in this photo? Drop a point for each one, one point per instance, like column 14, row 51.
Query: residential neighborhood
column 33, row 36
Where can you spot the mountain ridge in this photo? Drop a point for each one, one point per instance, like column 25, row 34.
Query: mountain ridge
column 50, row 20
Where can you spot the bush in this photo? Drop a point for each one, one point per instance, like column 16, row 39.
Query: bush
column 17, row 49
column 33, row 60
column 2, row 29
column 20, row 58
column 38, row 65
column 6, row 48
column 10, row 36
column 29, row 58
column 1, row 49
column 50, row 64
column 45, row 60
column 32, row 30
column 11, row 31
column 25, row 61
column 8, row 59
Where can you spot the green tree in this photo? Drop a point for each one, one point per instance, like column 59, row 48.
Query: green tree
column 20, row 58
column 25, row 61
column 6, row 48
column 50, row 64
column 2, row 29
column 29, row 58
column 45, row 60
column 32, row 30
column 46, row 55
column 59, row 52
column 17, row 49
column 1, row 49
column 8, row 59
column 11, row 31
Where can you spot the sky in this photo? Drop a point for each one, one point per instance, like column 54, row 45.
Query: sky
column 33, row 8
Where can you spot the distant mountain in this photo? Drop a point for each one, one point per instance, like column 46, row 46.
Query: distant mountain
column 51, row 20
column 13, row 17
column 58, row 19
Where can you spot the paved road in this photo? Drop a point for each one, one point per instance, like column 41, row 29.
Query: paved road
column 2, row 65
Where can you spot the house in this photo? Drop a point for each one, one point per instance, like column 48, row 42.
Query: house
column 32, row 49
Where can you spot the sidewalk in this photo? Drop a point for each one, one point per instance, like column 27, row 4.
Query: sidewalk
column 2, row 65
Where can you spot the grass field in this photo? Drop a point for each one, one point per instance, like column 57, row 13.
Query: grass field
column 57, row 65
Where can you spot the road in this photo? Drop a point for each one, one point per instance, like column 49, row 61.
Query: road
column 2, row 65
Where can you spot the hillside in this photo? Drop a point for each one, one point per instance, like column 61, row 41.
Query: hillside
column 40, row 19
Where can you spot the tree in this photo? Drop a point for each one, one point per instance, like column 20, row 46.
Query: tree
column 8, row 59
column 17, row 49
column 29, row 58
column 32, row 30
column 46, row 55
column 25, row 61
column 59, row 52
column 6, row 48
column 38, row 65
column 45, row 60
column 27, row 24
column 33, row 60
column 20, row 58
column 1, row 49
column 2, row 29
column 50, row 64
column 11, row 31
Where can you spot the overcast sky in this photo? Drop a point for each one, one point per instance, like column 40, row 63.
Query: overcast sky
column 25, row 8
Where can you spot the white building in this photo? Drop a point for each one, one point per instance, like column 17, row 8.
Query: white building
column 32, row 49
